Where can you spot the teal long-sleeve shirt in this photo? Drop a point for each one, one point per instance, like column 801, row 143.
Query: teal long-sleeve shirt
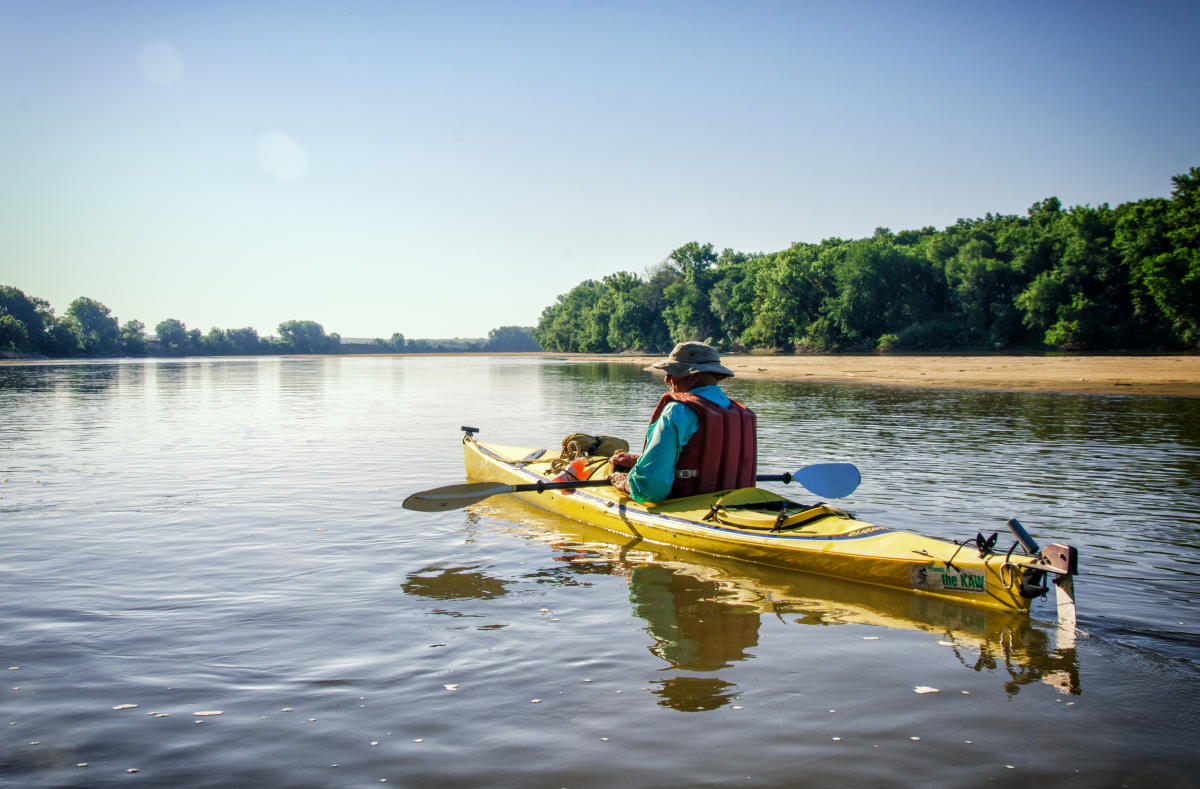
column 654, row 474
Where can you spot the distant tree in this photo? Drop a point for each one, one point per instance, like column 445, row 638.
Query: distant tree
column 397, row 342
column 511, row 339
column 34, row 315
column 13, row 335
column 98, row 329
column 306, row 337
column 244, row 341
column 632, row 323
column 687, row 309
column 1165, row 259
column 63, row 337
column 217, row 342
column 572, row 324
column 172, row 337
column 133, row 338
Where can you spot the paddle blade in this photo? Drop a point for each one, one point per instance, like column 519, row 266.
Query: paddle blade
column 829, row 480
column 453, row 497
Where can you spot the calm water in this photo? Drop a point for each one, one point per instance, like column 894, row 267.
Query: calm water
column 226, row 535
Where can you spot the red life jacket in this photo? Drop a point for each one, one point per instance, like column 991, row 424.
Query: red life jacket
column 722, row 455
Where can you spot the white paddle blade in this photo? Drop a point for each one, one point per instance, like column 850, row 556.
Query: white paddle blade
column 453, row 497
column 829, row 480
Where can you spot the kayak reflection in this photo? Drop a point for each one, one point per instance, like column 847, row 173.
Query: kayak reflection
column 703, row 612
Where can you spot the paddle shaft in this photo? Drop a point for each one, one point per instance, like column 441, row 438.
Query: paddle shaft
column 596, row 483
column 455, row 496
column 564, row 485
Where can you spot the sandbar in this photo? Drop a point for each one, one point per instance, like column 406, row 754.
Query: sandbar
column 1153, row 375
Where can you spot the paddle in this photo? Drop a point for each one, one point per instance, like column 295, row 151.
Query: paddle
column 452, row 497
column 829, row 480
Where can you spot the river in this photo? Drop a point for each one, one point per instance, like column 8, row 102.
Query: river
column 206, row 579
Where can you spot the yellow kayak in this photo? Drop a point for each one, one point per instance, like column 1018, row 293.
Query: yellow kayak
column 756, row 525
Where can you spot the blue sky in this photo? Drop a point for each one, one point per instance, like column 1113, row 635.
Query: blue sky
column 444, row 168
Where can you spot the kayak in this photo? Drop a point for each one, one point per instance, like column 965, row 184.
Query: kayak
column 687, row 599
column 763, row 527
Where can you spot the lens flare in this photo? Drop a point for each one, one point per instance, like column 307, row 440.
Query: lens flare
column 282, row 157
column 161, row 63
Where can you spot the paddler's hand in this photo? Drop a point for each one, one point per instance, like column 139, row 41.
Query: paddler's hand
column 620, row 481
column 623, row 460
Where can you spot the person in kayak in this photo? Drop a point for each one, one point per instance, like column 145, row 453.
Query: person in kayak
column 699, row 441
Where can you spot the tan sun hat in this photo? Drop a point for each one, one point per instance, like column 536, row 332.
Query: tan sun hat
column 693, row 357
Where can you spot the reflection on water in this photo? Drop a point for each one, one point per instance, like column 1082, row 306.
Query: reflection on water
column 449, row 583
column 703, row 613
column 694, row 624
column 693, row 694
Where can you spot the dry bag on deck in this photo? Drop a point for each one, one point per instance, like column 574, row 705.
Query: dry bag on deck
column 578, row 445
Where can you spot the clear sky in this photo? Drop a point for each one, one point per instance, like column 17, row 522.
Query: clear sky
column 444, row 168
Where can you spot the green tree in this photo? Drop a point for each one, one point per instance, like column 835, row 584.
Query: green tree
column 244, row 341
column 13, row 335
column 98, row 329
column 172, row 337
column 306, row 337
column 217, row 342
column 1165, row 259
column 879, row 288
column 686, row 304
column 632, row 323
column 133, row 338
column 511, row 339
column 571, row 324
column 1084, row 301
column 34, row 315
column 785, row 293
column 64, row 337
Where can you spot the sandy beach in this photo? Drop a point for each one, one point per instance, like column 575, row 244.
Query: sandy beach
column 1174, row 376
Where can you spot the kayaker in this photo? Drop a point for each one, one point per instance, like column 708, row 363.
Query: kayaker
column 699, row 440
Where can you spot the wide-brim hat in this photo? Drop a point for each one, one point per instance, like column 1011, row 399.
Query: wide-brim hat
column 693, row 357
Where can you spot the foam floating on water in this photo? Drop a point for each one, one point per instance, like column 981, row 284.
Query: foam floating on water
column 451, row 687
column 925, row 689
column 125, row 707
column 207, row 713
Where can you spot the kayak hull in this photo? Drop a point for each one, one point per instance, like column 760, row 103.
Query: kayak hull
column 819, row 539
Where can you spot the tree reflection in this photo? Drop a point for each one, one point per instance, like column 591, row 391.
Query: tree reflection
column 453, row 583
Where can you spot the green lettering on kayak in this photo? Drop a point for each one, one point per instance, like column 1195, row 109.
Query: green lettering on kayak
column 940, row 578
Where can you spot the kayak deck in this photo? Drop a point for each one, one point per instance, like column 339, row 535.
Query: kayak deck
column 760, row 526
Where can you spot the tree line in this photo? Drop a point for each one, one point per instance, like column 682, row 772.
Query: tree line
column 29, row 326
column 1073, row 279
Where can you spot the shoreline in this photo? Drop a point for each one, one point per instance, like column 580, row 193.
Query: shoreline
column 1173, row 375
column 1152, row 376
